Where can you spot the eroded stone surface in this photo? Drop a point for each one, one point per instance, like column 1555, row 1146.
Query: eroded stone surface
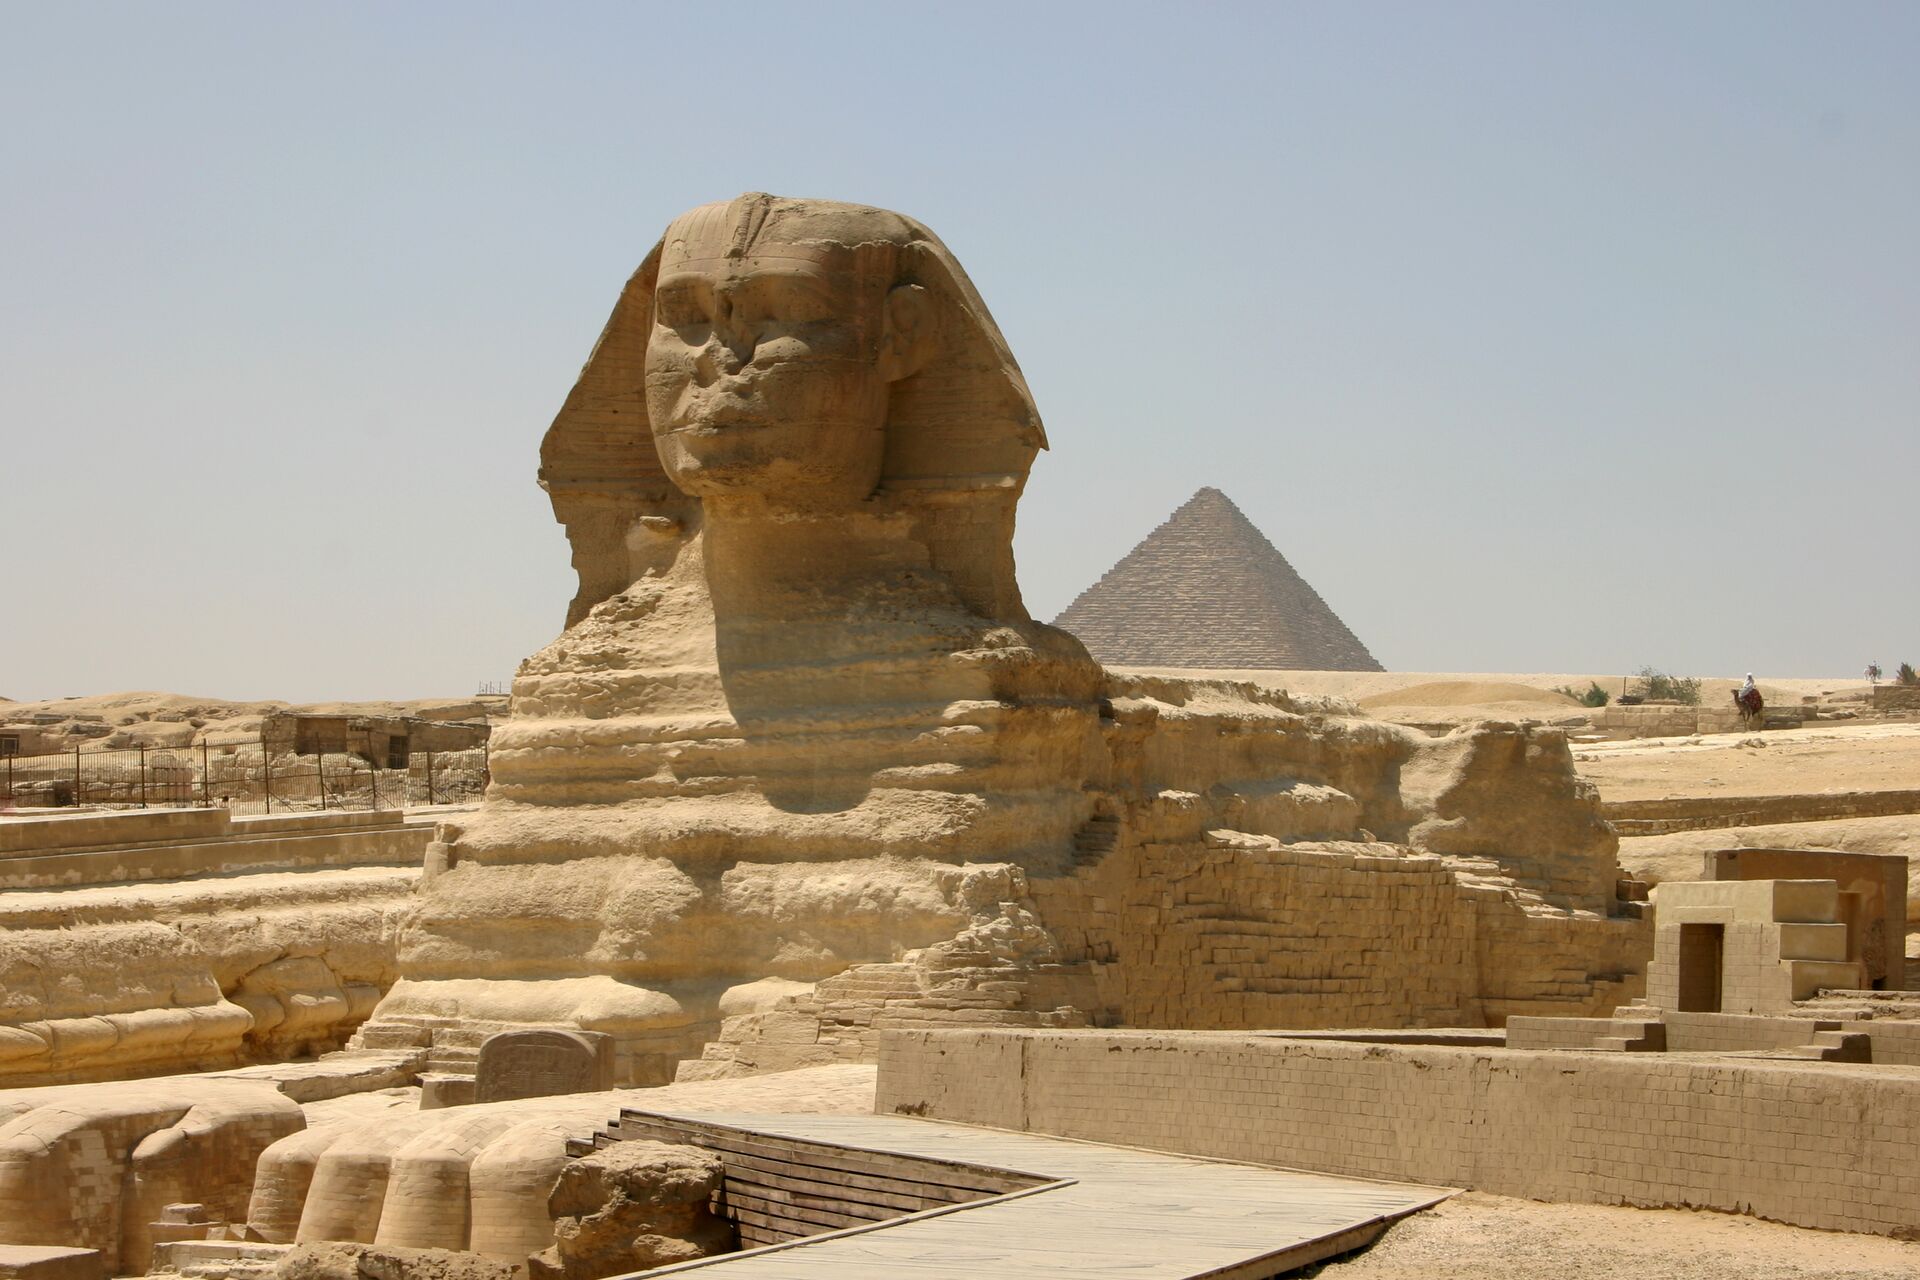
column 632, row 1206
column 539, row 1063
column 94, row 1166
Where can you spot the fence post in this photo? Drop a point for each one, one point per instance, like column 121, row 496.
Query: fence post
column 9, row 779
column 429, row 778
column 143, row 775
column 373, row 781
column 322, row 765
column 77, row 797
column 266, row 777
column 206, row 779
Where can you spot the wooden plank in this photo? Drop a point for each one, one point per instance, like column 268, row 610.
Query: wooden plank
column 933, row 1169
column 745, row 1193
column 795, row 1221
column 929, row 1173
column 893, row 1203
column 856, row 1182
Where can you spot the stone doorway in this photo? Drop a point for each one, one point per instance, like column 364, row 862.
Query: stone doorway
column 1701, row 949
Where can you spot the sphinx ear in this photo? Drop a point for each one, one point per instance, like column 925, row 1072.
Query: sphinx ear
column 906, row 332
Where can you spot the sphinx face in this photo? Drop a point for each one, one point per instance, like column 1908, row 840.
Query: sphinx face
column 763, row 370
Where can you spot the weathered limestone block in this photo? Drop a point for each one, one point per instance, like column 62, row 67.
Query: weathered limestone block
column 540, row 1063
column 631, row 1206
column 508, row 1186
column 110, row 982
column 50, row 1262
column 348, row 1188
column 94, row 1165
column 1509, row 792
column 427, row 1191
column 473, row 1178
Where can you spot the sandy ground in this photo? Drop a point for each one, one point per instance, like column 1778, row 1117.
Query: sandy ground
column 1496, row 1238
column 1438, row 697
column 1869, row 756
column 1359, row 685
column 1678, row 856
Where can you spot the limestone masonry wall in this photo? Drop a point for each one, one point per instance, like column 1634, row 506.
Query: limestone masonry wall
column 1706, row 813
column 1833, row 1147
column 1241, row 931
column 139, row 943
column 1896, row 697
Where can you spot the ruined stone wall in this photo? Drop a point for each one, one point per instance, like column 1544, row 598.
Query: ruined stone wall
column 1707, row 813
column 1896, row 697
column 251, row 948
column 1243, row 932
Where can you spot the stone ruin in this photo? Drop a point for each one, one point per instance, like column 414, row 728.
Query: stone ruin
column 802, row 770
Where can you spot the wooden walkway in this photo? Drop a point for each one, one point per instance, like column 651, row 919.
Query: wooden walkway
column 1104, row 1212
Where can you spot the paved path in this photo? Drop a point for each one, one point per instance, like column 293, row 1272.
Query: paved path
column 1110, row 1211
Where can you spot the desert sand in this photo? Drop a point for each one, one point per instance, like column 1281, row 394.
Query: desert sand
column 1439, row 697
column 1499, row 1238
column 1846, row 757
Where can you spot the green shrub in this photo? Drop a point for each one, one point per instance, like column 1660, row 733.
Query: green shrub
column 1907, row 675
column 1595, row 696
column 1663, row 687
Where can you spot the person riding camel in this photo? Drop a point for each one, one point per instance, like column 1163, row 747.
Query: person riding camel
column 1747, row 697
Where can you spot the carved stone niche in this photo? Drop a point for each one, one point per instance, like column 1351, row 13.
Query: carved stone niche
column 540, row 1063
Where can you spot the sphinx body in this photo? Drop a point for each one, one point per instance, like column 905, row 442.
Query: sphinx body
column 801, row 726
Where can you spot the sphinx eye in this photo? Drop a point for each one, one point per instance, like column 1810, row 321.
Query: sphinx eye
column 679, row 309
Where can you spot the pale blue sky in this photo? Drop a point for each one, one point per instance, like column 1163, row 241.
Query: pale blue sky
column 1538, row 337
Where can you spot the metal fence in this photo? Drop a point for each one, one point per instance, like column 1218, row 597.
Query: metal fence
column 246, row 775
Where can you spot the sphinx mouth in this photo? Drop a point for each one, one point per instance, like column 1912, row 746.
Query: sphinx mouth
column 718, row 424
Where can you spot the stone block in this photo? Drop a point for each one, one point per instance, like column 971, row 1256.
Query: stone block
column 50, row 1262
column 538, row 1063
column 445, row 1089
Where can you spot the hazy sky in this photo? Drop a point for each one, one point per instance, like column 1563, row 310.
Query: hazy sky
column 1538, row 337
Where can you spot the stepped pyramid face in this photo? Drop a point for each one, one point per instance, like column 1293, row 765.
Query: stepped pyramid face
column 1207, row 590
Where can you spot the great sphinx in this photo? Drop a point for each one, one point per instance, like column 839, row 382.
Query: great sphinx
column 800, row 720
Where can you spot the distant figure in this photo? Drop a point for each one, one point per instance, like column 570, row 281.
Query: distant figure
column 1747, row 698
column 1873, row 673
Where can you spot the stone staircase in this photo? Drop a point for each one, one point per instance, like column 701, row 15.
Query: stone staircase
column 1844, row 1002
column 1095, row 840
column 1632, row 1032
column 1833, row 1046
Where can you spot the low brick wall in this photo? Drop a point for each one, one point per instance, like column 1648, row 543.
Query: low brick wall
column 1708, row 813
column 1823, row 1145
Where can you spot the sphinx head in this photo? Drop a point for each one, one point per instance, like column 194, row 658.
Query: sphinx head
column 806, row 356
column 779, row 329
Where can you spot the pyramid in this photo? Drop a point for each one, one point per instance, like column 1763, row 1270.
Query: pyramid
column 1206, row 589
